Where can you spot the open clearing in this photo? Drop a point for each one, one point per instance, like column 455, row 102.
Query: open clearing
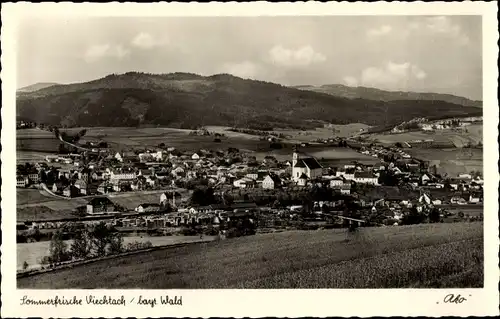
column 452, row 161
column 427, row 255
column 35, row 143
column 38, row 207
column 472, row 134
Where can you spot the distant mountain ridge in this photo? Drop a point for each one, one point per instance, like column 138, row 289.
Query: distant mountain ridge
column 362, row 92
column 36, row 87
column 189, row 100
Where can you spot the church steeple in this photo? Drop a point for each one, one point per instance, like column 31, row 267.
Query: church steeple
column 295, row 156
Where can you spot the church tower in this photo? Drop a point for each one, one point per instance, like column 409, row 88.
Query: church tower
column 295, row 156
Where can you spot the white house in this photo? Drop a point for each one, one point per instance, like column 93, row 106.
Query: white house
column 425, row 199
column 425, row 179
column 116, row 175
column 302, row 180
column 271, row 181
column 119, row 157
column 305, row 165
column 346, row 174
column 195, row 156
column 336, row 182
column 465, row 176
column 365, row 178
column 244, row 183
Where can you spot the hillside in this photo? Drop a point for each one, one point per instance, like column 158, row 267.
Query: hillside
column 419, row 256
column 35, row 87
column 188, row 100
column 361, row 92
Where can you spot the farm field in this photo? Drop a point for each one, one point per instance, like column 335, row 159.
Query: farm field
column 30, row 195
column 473, row 135
column 327, row 155
column 427, row 255
column 32, row 253
column 36, row 143
column 451, row 161
column 40, row 207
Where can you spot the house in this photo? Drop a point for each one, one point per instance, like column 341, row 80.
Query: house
column 244, row 183
column 458, row 200
column 57, row 187
column 336, row 182
column 82, row 186
column 365, row 178
column 425, row 199
column 100, row 205
column 170, row 195
column 302, row 180
column 436, row 202
column 271, row 181
column 347, row 174
column 455, row 184
column 195, row 156
column 305, row 165
column 104, row 188
column 126, row 175
column 148, row 208
column 71, row 191
column 464, row 176
column 98, row 175
column 424, row 179
column 475, row 198
column 119, row 157
column 34, row 177
column 21, row 181
column 345, row 189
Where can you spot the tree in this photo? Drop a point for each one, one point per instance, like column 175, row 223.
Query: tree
column 116, row 243
column 25, row 265
column 434, row 215
column 413, row 217
column 100, row 238
column 58, row 248
column 81, row 246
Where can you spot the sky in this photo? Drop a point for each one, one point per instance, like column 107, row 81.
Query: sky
column 440, row 54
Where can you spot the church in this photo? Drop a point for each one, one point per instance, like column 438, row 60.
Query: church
column 305, row 167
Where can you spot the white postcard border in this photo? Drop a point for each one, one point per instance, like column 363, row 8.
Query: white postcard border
column 257, row 303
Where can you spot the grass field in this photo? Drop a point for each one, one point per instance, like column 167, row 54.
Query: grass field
column 430, row 255
column 27, row 196
column 34, row 206
column 458, row 138
column 452, row 161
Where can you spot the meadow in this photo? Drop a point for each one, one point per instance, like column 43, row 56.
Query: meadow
column 472, row 134
column 34, row 206
column 427, row 255
column 451, row 161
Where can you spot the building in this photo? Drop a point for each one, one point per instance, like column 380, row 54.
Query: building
column 271, row 181
column 305, row 165
column 100, row 205
column 336, row 182
column 148, row 208
column 71, row 191
column 122, row 175
column 34, row 177
column 170, row 195
column 21, row 181
column 244, row 183
column 302, row 180
column 365, row 178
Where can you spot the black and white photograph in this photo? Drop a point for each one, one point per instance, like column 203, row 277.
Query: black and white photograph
column 250, row 152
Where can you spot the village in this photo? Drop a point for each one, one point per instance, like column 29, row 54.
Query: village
column 208, row 189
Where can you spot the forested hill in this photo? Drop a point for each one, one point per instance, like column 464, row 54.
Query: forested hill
column 189, row 100
column 361, row 92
